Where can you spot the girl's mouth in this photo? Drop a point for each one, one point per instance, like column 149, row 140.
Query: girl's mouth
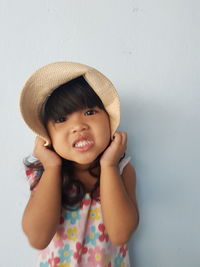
column 83, row 145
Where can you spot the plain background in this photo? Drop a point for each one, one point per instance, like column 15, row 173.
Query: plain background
column 150, row 51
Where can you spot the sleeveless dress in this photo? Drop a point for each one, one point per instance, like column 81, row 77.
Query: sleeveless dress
column 81, row 239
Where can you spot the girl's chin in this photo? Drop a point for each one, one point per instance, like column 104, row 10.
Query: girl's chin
column 81, row 166
column 84, row 163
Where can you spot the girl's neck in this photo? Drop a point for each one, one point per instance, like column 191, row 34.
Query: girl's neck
column 84, row 169
column 80, row 167
column 83, row 175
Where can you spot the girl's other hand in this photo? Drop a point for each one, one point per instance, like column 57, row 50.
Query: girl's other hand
column 46, row 156
column 115, row 150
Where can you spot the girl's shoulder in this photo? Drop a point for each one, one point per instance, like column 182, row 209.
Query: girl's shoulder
column 33, row 170
column 123, row 163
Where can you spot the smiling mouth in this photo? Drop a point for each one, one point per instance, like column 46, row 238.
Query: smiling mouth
column 83, row 145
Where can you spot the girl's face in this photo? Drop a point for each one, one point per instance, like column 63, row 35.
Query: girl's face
column 80, row 136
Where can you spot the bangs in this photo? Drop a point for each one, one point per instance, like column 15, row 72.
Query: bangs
column 72, row 96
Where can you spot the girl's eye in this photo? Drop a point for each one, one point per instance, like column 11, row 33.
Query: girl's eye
column 60, row 120
column 90, row 112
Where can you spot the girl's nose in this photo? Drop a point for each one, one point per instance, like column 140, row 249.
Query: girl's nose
column 79, row 127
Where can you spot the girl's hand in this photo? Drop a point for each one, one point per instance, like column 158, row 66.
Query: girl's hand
column 47, row 157
column 115, row 151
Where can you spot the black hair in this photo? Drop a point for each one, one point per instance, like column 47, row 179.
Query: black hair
column 72, row 96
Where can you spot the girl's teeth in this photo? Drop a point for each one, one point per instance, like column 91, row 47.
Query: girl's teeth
column 83, row 143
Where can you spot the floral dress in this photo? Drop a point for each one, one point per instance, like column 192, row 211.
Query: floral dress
column 81, row 239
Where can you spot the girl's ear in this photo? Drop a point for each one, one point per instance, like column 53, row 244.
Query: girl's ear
column 47, row 141
column 113, row 137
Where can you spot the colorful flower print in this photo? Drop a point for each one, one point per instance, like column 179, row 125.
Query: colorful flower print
column 44, row 253
column 96, row 195
column 123, row 250
column 65, row 254
column 81, row 238
column 108, row 259
column 96, row 257
column 94, row 214
column 118, row 261
column 44, row 264
column 72, row 216
column 104, row 235
column 92, row 236
column 59, row 237
column 64, row 264
column 80, row 250
column 53, row 261
column 72, row 233
column 86, row 201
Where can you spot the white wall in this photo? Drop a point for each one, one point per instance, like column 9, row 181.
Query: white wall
column 150, row 50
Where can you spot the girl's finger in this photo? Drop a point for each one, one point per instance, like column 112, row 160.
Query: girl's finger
column 124, row 139
column 39, row 141
column 118, row 138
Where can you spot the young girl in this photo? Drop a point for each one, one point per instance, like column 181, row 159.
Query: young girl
column 82, row 209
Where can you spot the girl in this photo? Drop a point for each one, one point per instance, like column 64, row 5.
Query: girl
column 82, row 209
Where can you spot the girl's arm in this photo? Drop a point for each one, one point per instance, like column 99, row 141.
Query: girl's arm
column 118, row 200
column 42, row 213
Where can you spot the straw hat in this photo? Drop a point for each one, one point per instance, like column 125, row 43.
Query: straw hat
column 45, row 80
